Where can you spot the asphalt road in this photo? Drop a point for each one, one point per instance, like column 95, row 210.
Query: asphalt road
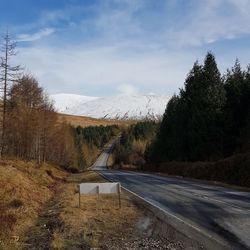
column 223, row 213
column 101, row 162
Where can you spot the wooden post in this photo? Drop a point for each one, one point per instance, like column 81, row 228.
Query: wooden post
column 119, row 195
column 79, row 190
column 98, row 195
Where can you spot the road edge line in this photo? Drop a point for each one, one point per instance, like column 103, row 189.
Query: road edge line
column 197, row 235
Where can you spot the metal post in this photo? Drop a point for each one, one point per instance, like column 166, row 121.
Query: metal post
column 98, row 195
column 79, row 190
column 119, row 195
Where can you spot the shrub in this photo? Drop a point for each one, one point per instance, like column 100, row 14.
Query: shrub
column 233, row 170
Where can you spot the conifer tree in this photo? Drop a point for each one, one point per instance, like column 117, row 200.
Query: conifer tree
column 205, row 98
column 192, row 125
column 237, row 85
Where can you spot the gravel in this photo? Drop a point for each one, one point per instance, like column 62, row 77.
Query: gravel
column 141, row 243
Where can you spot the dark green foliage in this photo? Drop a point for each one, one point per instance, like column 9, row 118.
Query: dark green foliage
column 207, row 121
column 122, row 152
column 95, row 135
column 171, row 136
column 126, row 140
column 237, row 85
column 130, row 149
column 204, row 96
column 143, row 130
column 192, row 126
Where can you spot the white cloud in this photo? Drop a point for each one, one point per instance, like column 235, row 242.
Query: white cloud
column 35, row 36
column 62, row 69
column 210, row 21
column 130, row 48
column 127, row 89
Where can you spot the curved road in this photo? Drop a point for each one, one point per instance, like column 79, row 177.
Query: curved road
column 222, row 213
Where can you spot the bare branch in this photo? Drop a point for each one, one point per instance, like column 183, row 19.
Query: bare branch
column 8, row 74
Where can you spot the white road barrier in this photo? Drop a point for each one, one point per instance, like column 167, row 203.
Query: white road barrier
column 100, row 188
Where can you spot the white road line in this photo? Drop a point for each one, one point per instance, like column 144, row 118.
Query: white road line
column 205, row 197
column 165, row 211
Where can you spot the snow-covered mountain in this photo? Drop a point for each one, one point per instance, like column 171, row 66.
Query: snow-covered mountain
column 116, row 107
column 65, row 102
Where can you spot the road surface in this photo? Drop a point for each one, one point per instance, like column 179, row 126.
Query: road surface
column 101, row 162
column 223, row 213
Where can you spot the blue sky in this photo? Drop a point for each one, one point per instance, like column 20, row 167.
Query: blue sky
column 106, row 47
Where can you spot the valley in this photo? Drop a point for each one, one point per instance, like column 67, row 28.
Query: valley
column 152, row 96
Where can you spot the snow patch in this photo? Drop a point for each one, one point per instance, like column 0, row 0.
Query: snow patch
column 126, row 106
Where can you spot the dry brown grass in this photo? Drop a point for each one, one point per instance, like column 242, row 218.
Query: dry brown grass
column 25, row 187
column 91, row 153
column 96, row 220
column 84, row 121
column 110, row 163
column 39, row 207
column 139, row 146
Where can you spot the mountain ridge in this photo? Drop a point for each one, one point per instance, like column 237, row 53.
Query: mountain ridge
column 120, row 107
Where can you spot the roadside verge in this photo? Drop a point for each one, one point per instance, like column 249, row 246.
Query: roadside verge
column 174, row 228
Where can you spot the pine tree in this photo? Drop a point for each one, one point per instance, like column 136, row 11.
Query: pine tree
column 204, row 96
column 170, row 142
column 237, row 85
column 192, row 127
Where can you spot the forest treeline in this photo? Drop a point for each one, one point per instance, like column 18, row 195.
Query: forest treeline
column 33, row 133
column 29, row 126
column 209, row 119
column 130, row 149
column 89, row 142
column 205, row 130
column 31, row 129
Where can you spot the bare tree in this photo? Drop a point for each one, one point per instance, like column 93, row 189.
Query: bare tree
column 8, row 74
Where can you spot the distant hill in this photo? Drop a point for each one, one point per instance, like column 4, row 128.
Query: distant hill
column 88, row 121
column 120, row 107
column 65, row 102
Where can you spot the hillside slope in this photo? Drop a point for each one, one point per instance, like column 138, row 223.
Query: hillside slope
column 65, row 102
column 25, row 188
column 84, row 121
column 122, row 107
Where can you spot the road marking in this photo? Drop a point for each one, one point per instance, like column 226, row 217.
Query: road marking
column 108, row 175
column 166, row 212
column 205, row 197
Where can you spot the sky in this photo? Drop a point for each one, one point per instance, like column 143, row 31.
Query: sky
column 108, row 47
